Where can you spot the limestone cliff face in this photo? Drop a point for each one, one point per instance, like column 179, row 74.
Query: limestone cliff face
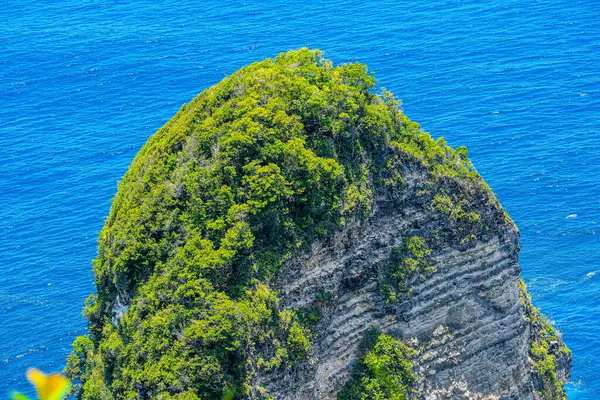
column 471, row 324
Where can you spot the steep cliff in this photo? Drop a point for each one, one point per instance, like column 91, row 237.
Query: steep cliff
column 290, row 234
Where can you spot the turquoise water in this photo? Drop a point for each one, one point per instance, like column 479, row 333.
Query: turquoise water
column 84, row 84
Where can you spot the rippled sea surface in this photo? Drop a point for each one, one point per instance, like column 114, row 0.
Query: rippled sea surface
column 83, row 84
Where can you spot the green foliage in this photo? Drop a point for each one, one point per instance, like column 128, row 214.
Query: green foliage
column 83, row 348
column 544, row 361
column 311, row 314
column 383, row 372
column 278, row 154
column 414, row 145
column 413, row 258
column 543, row 357
column 467, row 223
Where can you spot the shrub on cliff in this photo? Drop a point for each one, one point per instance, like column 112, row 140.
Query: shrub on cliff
column 383, row 372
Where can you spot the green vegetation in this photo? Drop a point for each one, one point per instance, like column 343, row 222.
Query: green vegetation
column 278, row 154
column 468, row 223
column 383, row 371
column 413, row 258
column 543, row 358
column 311, row 315
column 445, row 162
column 444, row 204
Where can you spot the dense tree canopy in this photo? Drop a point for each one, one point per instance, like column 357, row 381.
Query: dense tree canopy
column 279, row 154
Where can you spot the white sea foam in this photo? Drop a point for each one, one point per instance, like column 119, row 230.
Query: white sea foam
column 590, row 274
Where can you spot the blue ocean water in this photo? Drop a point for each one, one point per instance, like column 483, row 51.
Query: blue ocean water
column 83, row 84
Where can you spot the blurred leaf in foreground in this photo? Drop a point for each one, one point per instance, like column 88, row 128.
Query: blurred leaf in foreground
column 48, row 387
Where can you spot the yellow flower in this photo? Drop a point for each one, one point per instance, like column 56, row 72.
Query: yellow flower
column 48, row 387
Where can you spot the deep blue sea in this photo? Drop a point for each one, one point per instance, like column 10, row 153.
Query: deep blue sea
column 83, row 84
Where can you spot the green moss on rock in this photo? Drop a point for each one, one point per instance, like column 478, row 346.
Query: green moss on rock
column 383, row 370
column 546, row 348
column 412, row 259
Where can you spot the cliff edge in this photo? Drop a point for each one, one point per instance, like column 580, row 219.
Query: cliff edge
column 290, row 234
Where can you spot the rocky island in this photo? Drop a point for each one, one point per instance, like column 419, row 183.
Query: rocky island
column 291, row 234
